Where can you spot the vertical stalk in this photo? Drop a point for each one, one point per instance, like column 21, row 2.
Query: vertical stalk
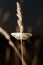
column 22, row 51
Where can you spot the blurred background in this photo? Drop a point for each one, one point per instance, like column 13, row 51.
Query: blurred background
column 32, row 12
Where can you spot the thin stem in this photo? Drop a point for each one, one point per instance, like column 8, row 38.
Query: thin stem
column 22, row 51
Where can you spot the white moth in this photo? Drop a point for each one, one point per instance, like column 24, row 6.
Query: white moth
column 24, row 35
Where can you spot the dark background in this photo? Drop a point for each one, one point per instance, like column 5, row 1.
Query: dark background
column 32, row 12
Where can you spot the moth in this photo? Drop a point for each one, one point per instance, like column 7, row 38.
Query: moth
column 23, row 35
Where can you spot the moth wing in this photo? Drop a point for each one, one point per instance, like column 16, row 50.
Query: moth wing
column 16, row 35
column 26, row 35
